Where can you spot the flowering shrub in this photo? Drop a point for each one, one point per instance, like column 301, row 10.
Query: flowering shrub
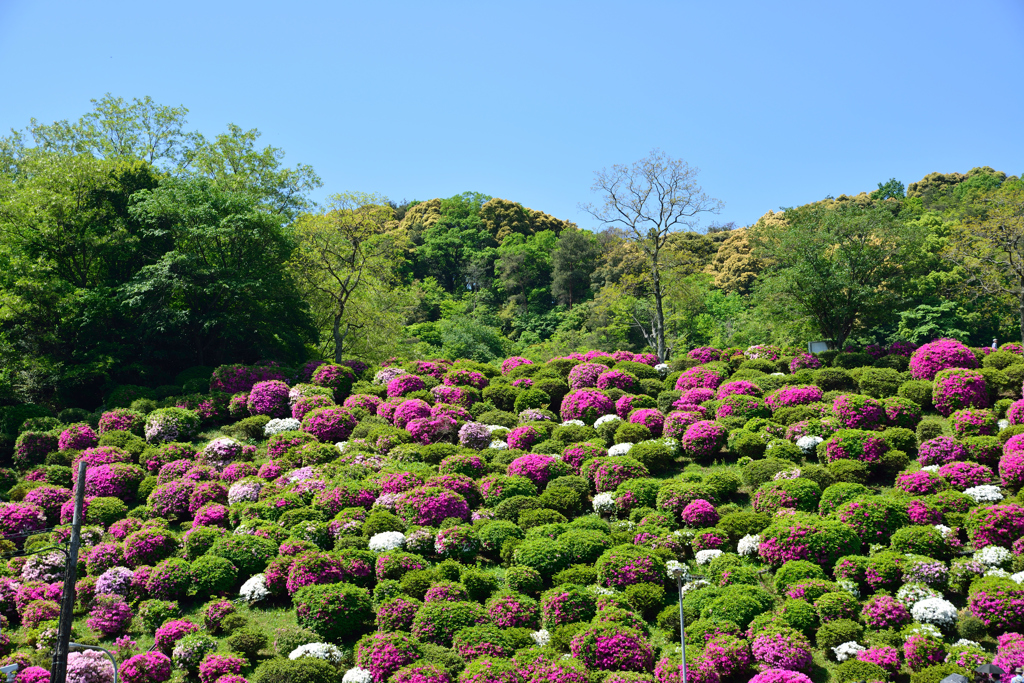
column 883, row 611
column 89, row 666
column 803, row 537
column 77, row 437
column 855, row 444
column 956, row 389
column 612, row 647
column 122, row 419
column 741, row 405
column 627, row 565
column 171, row 424
column 941, row 450
column 921, row 483
column 855, row 411
column 995, row 525
column 148, row 667
column 405, row 384
column 804, row 361
column 793, row 396
column 701, row 377
column 330, row 424
column 973, row 422
column 703, row 439
column 920, row 651
column 586, row 405
column 782, row 648
column 615, row 379
column 940, row 355
column 170, row 633
column 110, row 615
column 269, row 398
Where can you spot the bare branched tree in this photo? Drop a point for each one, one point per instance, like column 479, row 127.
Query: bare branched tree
column 649, row 200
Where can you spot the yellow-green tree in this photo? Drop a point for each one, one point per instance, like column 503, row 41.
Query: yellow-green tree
column 346, row 263
column 989, row 245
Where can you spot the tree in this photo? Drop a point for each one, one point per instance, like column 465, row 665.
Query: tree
column 734, row 266
column 891, row 189
column 116, row 129
column 573, row 262
column 650, row 200
column 233, row 161
column 222, row 291
column 842, row 266
column 346, row 262
column 989, row 245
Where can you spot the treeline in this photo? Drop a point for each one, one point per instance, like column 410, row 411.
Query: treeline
column 132, row 248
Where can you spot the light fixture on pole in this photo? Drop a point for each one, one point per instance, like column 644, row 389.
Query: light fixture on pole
column 678, row 571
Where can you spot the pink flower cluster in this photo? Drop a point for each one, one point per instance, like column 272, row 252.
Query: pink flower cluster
column 940, row 355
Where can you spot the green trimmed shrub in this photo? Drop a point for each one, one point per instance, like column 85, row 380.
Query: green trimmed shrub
column 335, row 611
column 301, row 670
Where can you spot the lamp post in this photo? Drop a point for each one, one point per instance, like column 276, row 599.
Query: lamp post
column 678, row 571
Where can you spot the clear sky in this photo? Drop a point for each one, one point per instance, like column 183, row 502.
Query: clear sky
column 778, row 103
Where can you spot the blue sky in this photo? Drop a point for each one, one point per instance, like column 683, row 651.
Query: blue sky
column 778, row 104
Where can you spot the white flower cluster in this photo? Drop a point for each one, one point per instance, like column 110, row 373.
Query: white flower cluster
column 809, row 444
column 943, row 529
column 499, row 445
column 605, row 419
column 993, row 556
column 1018, row 577
column 386, row 540
column 1001, row 573
column 278, row 425
column 705, row 556
column 341, row 446
column 926, row 630
column 494, row 428
column 850, row 587
column 986, row 493
column 672, row 444
column 325, row 651
column 1003, row 424
column 930, row 468
column 675, row 569
column 604, row 503
column 963, row 642
column 385, row 375
column 934, row 611
column 748, row 545
column 254, row 589
column 685, row 535
column 574, row 423
column 661, row 369
column 694, row 585
column 541, row 637
column 778, row 374
column 594, row 589
column 847, row 650
column 620, row 448
column 357, row 675
column 912, row 593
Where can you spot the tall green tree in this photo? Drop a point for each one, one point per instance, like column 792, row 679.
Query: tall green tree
column 843, row 267
column 221, row 292
column 650, row 200
column 573, row 261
